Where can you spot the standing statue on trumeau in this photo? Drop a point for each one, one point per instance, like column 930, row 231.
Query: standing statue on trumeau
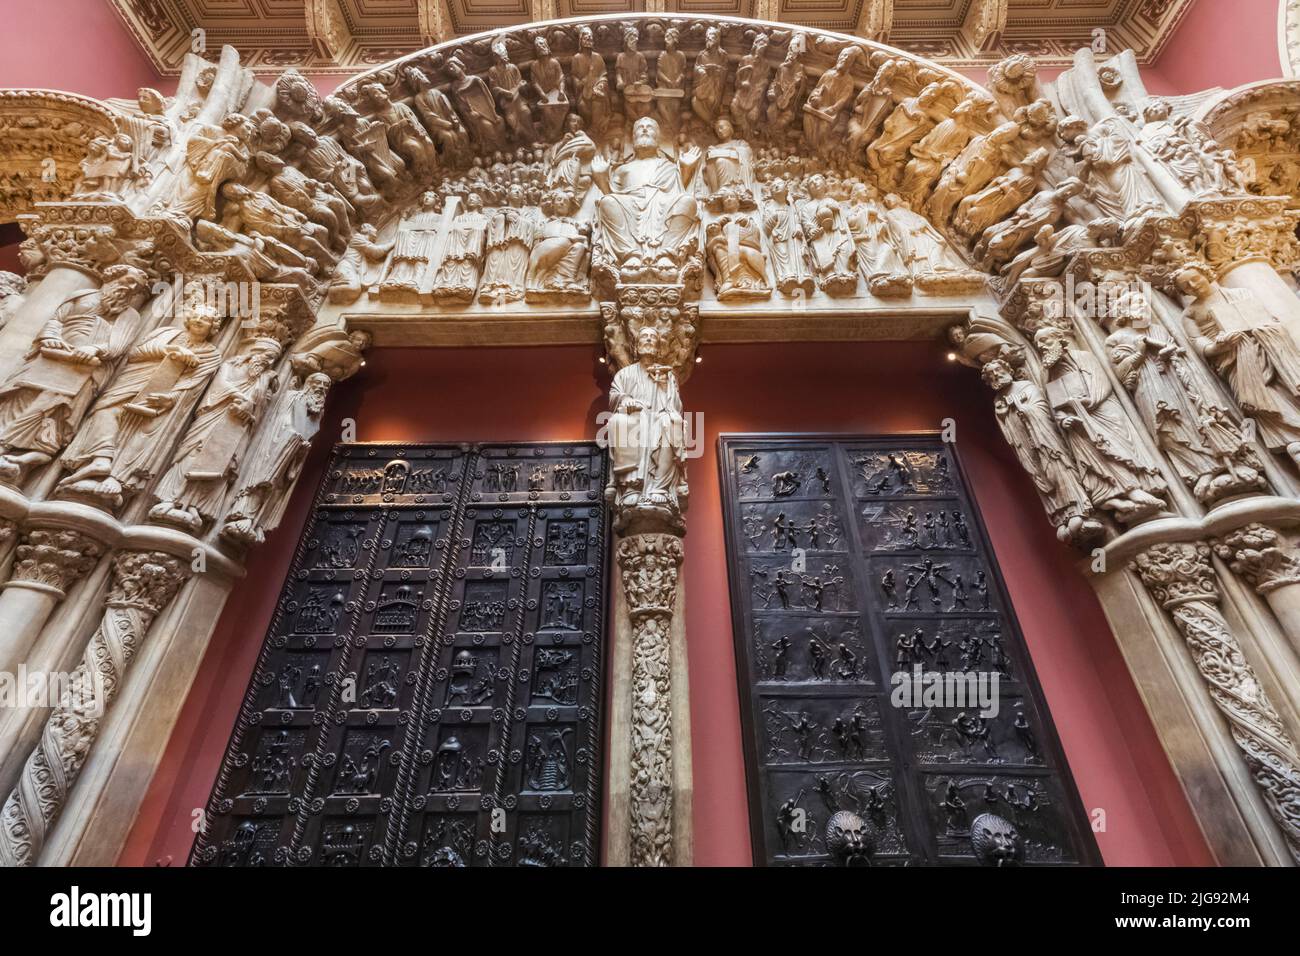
column 1114, row 468
column 44, row 400
column 127, row 439
column 191, row 492
column 647, row 436
column 648, row 219
column 1250, row 350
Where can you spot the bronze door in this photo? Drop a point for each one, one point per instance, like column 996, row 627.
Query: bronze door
column 430, row 688
column 865, row 599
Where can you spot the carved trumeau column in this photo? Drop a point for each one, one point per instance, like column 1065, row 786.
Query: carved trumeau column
column 143, row 582
column 1271, row 566
column 1181, row 579
column 649, row 565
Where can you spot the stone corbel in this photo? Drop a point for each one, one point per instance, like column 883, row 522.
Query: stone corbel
column 327, row 28
column 875, row 19
column 985, row 21
column 1181, row 579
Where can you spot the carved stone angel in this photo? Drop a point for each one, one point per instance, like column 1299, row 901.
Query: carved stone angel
column 213, row 155
column 1177, row 403
column 831, row 253
column 999, row 242
column 462, row 260
column 128, row 437
column 940, row 146
column 911, row 120
column 43, row 401
column 984, row 158
column 190, row 494
column 1112, row 465
column 785, row 235
column 734, row 244
column 1001, row 197
column 354, row 271
column 1119, row 186
column 878, row 256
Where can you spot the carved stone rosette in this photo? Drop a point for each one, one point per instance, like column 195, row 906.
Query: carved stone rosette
column 51, row 559
column 1180, row 577
column 649, row 564
column 143, row 583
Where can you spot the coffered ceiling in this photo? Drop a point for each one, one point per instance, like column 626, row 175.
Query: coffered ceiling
column 342, row 36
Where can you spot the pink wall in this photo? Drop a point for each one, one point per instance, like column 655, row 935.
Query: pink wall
column 1219, row 43
column 554, row 393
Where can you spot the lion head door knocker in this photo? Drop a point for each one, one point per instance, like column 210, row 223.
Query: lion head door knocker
column 850, row 840
column 996, row 841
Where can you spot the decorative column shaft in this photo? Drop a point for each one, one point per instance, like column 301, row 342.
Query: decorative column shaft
column 1181, row 578
column 649, row 565
column 142, row 584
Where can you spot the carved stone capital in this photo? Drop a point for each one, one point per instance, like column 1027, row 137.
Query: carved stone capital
column 1259, row 555
column 648, row 564
column 1232, row 231
column 666, row 308
column 1178, row 573
column 50, row 559
column 145, row 580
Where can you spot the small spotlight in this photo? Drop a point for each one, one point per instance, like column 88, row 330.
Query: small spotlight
column 601, row 360
column 699, row 359
column 952, row 356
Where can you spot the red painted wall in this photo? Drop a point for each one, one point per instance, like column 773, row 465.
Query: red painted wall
column 555, row 393
column 1219, row 43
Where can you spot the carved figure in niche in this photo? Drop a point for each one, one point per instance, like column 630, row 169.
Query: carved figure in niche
column 557, row 265
column 787, row 85
column 1113, row 468
column 734, row 243
column 275, row 458
column 510, row 235
column 878, row 256
column 508, row 87
column 710, row 76
column 409, row 270
column 648, row 450
column 940, row 146
column 438, row 115
column 632, row 77
column 108, row 167
column 822, row 119
column 191, row 492
column 648, row 217
column 729, row 167
column 1250, row 350
column 43, row 401
column 128, row 436
column 325, row 160
column 547, row 76
column 831, row 253
column 983, row 159
column 462, row 259
column 355, row 271
column 999, row 242
column 670, row 80
column 367, row 140
column 548, row 762
column 213, row 155
column 751, row 87
column 1001, row 197
column 1029, row 426
column 477, row 108
column 568, row 162
column 247, row 211
column 873, row 103
column 905, row 126
column 1199, row 436
column 785, row 235
column 934, row 265
column 590, row 82
column 405, row 134
column 1119, row 186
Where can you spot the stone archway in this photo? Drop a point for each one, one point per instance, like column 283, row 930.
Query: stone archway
column 575, row 181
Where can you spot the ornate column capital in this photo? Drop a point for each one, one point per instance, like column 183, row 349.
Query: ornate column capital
column 1177, row 573
column 1258, row 554
column 145, row 581
column 51, row 559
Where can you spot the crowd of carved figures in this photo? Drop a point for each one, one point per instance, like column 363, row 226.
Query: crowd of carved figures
column 642, row 164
